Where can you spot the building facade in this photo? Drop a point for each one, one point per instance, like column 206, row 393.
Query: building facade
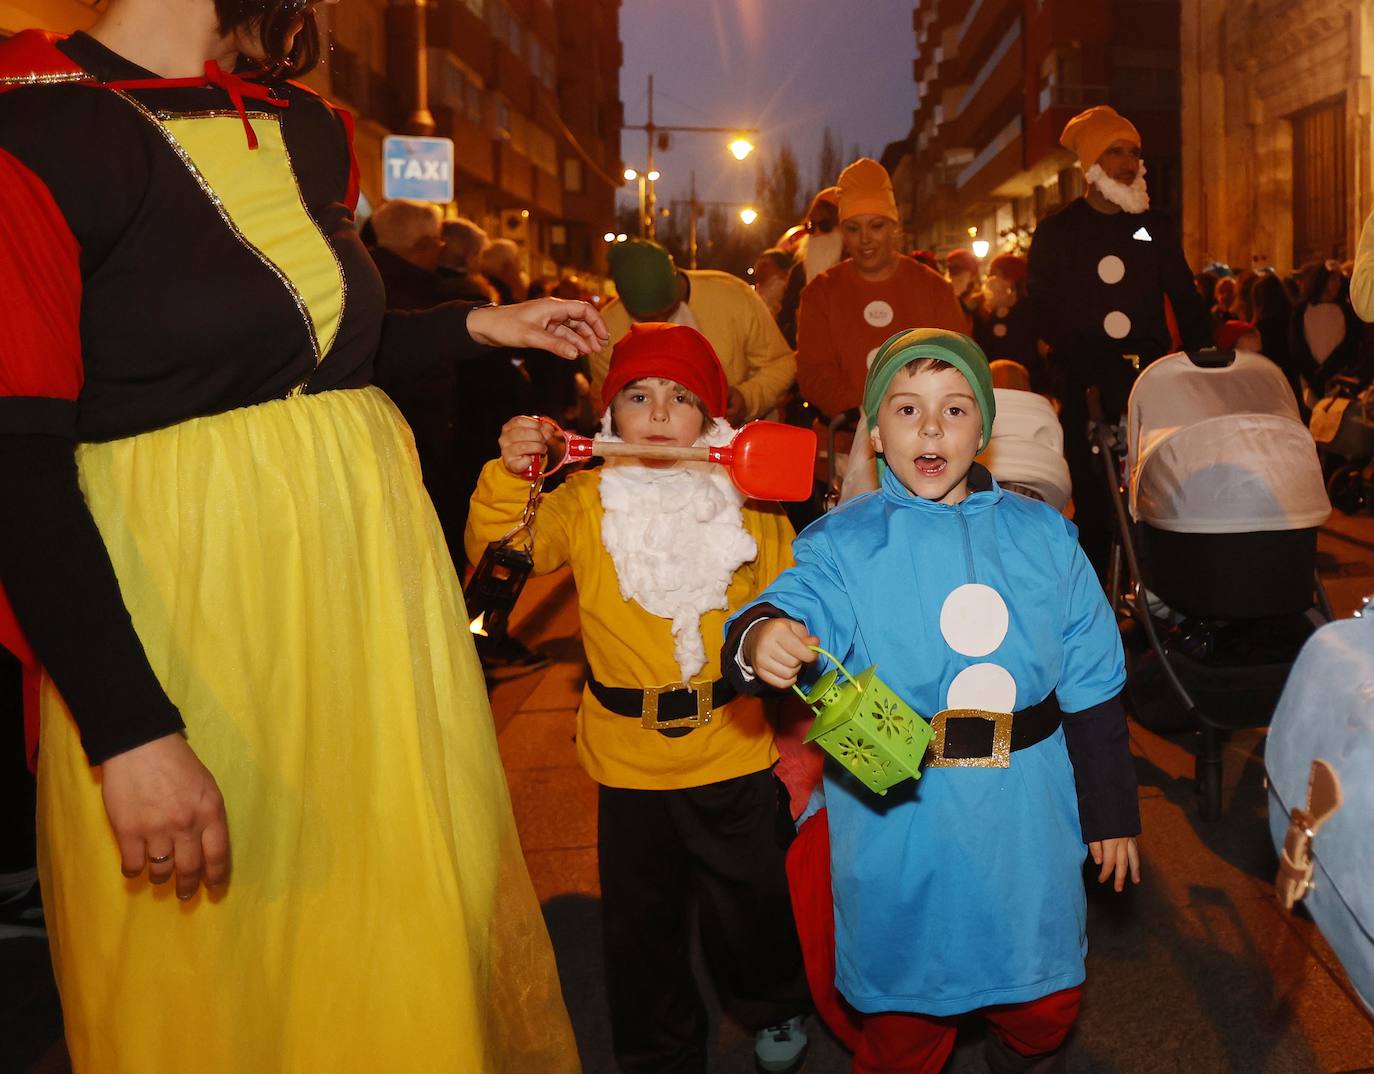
column 529, row 94
column 996, row 80
column 1277, row 129
column 528, row 90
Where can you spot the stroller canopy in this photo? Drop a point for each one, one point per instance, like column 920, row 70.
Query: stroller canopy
column 1027, row 447
column 1221, row 450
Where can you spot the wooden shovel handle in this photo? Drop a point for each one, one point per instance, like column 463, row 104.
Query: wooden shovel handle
column 612, row 449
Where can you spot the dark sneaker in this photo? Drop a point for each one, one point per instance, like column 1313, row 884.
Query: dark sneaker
column 21, row 914
column 781, row 1049
column 507, row 658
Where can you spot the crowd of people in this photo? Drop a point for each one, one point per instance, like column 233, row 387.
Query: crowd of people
column 254, row 470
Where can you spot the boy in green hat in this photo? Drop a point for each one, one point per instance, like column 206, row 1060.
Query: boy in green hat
column 961, row 891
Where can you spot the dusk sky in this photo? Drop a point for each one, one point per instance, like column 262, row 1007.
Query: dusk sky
column 788, row 67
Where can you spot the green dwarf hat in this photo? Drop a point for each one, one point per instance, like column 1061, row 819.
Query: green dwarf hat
column 952, row 347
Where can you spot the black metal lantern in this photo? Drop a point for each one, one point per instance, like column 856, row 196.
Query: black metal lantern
column 495, row 586
column 501, row 573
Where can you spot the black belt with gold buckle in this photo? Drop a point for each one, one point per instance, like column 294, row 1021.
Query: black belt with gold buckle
column 975, row 738
column 678, row 705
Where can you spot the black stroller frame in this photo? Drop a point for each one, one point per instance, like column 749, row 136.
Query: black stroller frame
column 1127, row 592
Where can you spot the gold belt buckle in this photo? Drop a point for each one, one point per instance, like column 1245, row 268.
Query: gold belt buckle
column 1000, row 757
column 648, row 713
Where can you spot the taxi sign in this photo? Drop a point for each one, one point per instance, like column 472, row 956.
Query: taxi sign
column 418, row 168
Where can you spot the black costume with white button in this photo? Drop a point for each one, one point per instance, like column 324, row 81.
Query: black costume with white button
column 1097, row 285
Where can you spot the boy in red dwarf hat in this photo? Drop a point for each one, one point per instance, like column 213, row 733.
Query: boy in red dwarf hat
column 689, row 810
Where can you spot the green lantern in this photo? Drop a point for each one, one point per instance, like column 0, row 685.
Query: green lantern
column 866, row 727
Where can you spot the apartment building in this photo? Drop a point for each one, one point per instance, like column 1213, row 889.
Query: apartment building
column 996, row 80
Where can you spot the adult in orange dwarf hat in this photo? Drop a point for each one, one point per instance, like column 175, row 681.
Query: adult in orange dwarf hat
column 848, row 311
column 1100, row 270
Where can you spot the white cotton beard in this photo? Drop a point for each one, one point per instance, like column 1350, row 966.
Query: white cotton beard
column 1133, row 198
column 824, row 249
column 676, row 536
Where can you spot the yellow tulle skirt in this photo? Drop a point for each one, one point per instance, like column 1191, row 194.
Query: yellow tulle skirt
column 290, row 583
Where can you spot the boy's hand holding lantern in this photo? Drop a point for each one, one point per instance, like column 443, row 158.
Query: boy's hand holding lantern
column 777, row 648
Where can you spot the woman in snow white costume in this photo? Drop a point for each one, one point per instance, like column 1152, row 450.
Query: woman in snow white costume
column 217, row 548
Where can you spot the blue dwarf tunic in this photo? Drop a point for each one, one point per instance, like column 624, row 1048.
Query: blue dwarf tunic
column 963, row 889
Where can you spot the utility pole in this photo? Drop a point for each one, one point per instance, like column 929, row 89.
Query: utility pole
column 741, row 147
column 407, row 67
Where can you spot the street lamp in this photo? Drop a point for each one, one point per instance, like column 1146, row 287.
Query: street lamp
column 748, row 215
column 741, row 147
column 981, row 248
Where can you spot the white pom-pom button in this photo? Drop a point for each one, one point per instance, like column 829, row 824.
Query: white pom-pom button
column 1117, row 325
column 983, row 686
column 1111, row 269
column 974, row 619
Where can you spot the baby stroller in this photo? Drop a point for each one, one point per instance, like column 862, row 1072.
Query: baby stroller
column 1025, row 453
column 1226, row 496
column 1343, row 426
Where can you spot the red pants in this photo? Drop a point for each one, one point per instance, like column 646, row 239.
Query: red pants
column 896, row 1043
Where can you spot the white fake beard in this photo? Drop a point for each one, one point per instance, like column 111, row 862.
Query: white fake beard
column 676, row 536
column 824, row 249
column 1134, row 198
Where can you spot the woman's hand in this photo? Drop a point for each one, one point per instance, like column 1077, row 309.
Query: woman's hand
column 167, row 814
column 777, row 648
column 523, row 440
column 548, row 324
column 1116, row 856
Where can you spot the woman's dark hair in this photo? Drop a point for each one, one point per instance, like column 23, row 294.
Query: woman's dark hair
column 273, row 19
column 1270, row 299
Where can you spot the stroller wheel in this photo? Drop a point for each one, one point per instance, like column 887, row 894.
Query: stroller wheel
column 1346, row 488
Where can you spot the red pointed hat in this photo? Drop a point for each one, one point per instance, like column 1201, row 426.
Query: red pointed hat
column 671, row 351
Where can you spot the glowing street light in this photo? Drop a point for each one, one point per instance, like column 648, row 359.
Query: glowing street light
column 609, row 236
column 653, row 176
column 981, row 248
column 748, row 215
column 741, row 148
column 621, row 237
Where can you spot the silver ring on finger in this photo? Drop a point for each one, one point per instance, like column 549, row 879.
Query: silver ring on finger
column 159, row 859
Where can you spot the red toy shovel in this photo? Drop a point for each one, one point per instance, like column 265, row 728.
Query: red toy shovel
column 766, row 460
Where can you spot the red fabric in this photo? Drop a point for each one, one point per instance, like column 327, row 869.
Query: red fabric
column 1010, row 267
column 899, row 1043
column 40, row 337
column 813, row 907
column 1228, row 335
column 346, row 118
column 671, row 351
column 31, row 53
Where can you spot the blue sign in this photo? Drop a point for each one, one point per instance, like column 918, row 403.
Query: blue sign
column 419, row 168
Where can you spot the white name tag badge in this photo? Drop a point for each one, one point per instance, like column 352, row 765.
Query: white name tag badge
column 878, row 313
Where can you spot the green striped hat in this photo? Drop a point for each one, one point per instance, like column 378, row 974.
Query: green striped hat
column 913, row 343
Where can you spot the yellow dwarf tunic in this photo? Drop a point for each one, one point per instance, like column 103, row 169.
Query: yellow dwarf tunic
column 627, row 646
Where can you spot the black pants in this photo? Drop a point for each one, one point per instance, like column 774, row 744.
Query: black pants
column 17, row 792
column 1092, row 505
column 721, row 848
